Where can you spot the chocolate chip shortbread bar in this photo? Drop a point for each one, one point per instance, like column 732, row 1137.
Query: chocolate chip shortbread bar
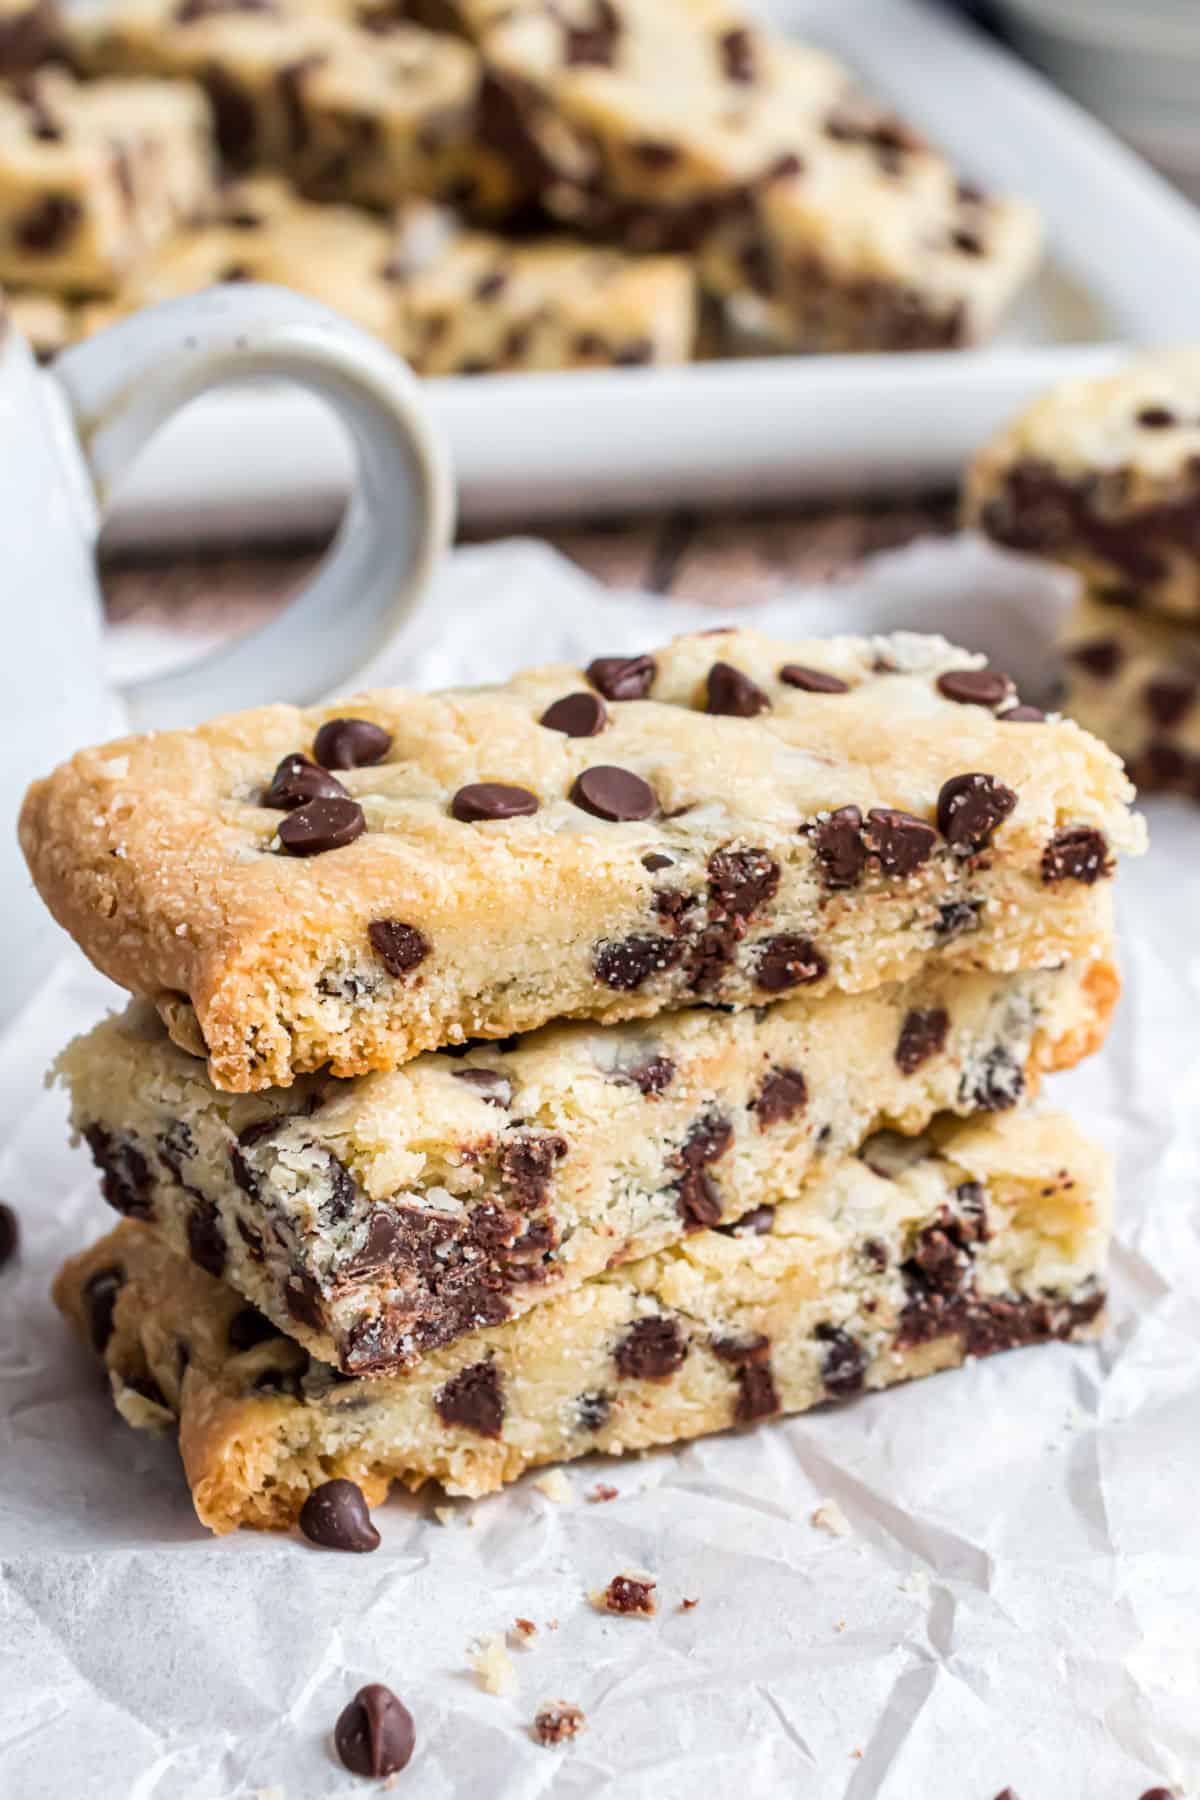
column 728, row 820
column 678, row 124
column 1135, row 681
column 897, row 1263
column 376, row 1219
column 92, row 176
column 1104, row 477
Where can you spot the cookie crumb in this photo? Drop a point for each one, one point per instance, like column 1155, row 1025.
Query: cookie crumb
column 447, row 1515
column 555, row 1486
column 558, row 1722
column 840, row 1626
column 551, row 1624
column 830, row 1517
column 687, row 1605
column 494, row 1666
column 627, row 1594
column 521, row 1634
column 602, row 1491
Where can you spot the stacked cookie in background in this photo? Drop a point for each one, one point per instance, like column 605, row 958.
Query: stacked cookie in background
column 582, row 1064
column 552, row 184
column 1103, row 477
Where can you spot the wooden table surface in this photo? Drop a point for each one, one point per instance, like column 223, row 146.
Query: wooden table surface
column 722, row 560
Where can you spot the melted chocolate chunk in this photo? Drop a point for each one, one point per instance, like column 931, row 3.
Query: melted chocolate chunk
column 126, row 1183
column 379, row 1248
column 757, row 1395
column 10, row 1234
column 697, row 1200
column 473, row 1399
column 741, row 1349
column 527, row 1166
column 614, row 794
column 812, row 681
column 576, row 716
column 731, row 693
column 840, row 847
column 485, row 801
column 375, row 1735
column 1101, row 657
column 708, row 1140
column 206, row 1240
column 899, row 840
column 351, row 744
column 627, row 964
column 1000, row 1081
column 969, row 809
column 788, row 961
column 595, row 43
column 248, row 1328
column 1080, row 854
column 297, row 781
column 759, row 1222
column 592, row 1410
column 844, row 1364
column 654, row 861
column 922, row 1035
column 100, row 1292
column 494, row 1088
column 235, row 122
column 783, row 1094
column 336, row 1517
column 400, row 947
column 175, row 1145
column 321, row 825
column 623, row 677
column 976, row 687
column 652, row 1349
column 252, row 1240
column 303, row 1296
column 956, row 918
column 740, row 881
column 651, row 1077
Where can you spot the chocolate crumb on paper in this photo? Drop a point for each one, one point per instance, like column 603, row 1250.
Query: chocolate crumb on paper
column 628, row 1595
column 558, row 1722
column 828, row 1516
column 688, row 1605
column 603, row 1491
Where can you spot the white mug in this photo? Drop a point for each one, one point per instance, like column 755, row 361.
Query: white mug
column 66, row 437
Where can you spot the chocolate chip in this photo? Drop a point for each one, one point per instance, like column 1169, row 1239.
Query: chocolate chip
column 303, row 1296
column 741, row 1349
column 400, row 947
column 844, row 1364
column 653, row 153
column 46, row 226
column 707, row 1141
column 1080, row 854
column 336, row 1517
column 999, row 1082
column 652, row 1349
column 614, row 794
column 248, row 1328
column 594, row 44
column 650, row 1077
column 235, row 121
column 100, row 1292
column 840, row 847
column 732, row 694
column 1021, row 715
column 740, row 881
column 922, row 1035
column 494, row 1088
column 654, row 862
column 788, row 961
column 812, row 681
column 297, row 781
column 757, row 1395
column 898, row 839
column 969, row 809
column 322, row 825
column 10, row 1234
column 782, row 1095
column 592, row 1411
column 736, row 48
column 484, row 801
column 759, row 1222
column 375, row 1734
column 956, row 918
column 576, row 715
column 206, row 1240
column 975, row 687
column 1169, row 701
column 127, row 1185
column 383, row 1239
column 1157, row 418
column 351, row 744
column 527, row 1166
column 697, row 1200
column 623, row 677
column 1101, row 657
column 473, row 1399
column 627, row 964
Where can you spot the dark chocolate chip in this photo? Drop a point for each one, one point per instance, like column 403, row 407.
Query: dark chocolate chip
column 100, row 1292
column 788, row 961
column 840, row 847
column 623, row 677
column 592, row 1411
column 1080, row 854
column 175, row 1145
column 901, row 841
column 1101, row 657
column 1157, row 418
column 956, row 918
column 732, row 694
column 473, row 1399
column 127, row 1185
column 1021, row 715
column 10, row 1234
column 759, row 1222
column 614, row 794
column 322, row 825
column 812, row 681
column 375, row 1734
column 400, row 947
column 248, row 1328
column 736, row 49
column 633, row 354
column 483, row 801
column 384, row 1238
column 653, row 153
column 757, row 1395
column 46, row 226
column 707, row 1141
column 303, row 1296
column 297, row 781
column 968, row 242
column 741, row 1349
column 969, row 809
column 235, row 121
column 975, row 687
column 626, row 965
column 594, row 44
column 782, row 1095
column 576, row 715
column 652, row 1076
column 844, row 1364
column 999, row 1083
column 652, row 1349
column 654, row 861
column 697, row 1200
column 351, row 744
column 1168, row 701
column 206, row 1240
column 922, row 1035
column 336, row 1517
column 494, row 1088
column 740, row 881
column 527, row 1167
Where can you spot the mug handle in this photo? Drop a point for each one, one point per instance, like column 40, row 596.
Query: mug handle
column 124, row 383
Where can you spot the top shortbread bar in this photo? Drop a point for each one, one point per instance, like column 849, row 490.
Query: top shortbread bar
column 726, row 820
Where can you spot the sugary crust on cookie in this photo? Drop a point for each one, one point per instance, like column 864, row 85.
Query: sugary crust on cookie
column 986, row 1236
column 376, row 1219
column 158, row 856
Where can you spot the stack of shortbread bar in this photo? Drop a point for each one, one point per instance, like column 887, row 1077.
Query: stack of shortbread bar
column 581, row 1064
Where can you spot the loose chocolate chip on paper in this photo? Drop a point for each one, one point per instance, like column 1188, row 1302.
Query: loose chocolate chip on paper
column 336, row 1517
column 1021, row 715
column 375, row 1735
column 614, row 794
column 901, row 841
column 652, row 1349
column 322, row 825
column 975, row 687
column 783, row 1094
column 623, row 677
column 484, row 801
column 248, row 1328
column 732, row 694
column 627, row 964
column 922, row 1035
column 969, row 809
column 1080, row 854
column 812, row 681
column 297, row 781
column 788, row 961
column 10, row 1234
column 844, row 1364
column 473, row 1399
column 576, row 715
column 351, row 744
column 99, row 1299
column 400, row 947
column 840, row 847
column 493, row 1087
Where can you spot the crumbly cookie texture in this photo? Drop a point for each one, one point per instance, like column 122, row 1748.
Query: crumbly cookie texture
column 1135, row 681
column 679, row 124
column 898, row 1263
column 378, row 1218
column 94, row 175
column 1104, row 477
column 829, row 814
column 368, row 113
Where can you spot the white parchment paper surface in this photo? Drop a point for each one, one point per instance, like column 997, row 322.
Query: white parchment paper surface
column 1017, row 1602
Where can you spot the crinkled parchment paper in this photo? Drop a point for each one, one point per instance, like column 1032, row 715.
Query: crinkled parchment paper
column 1017, row 1601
